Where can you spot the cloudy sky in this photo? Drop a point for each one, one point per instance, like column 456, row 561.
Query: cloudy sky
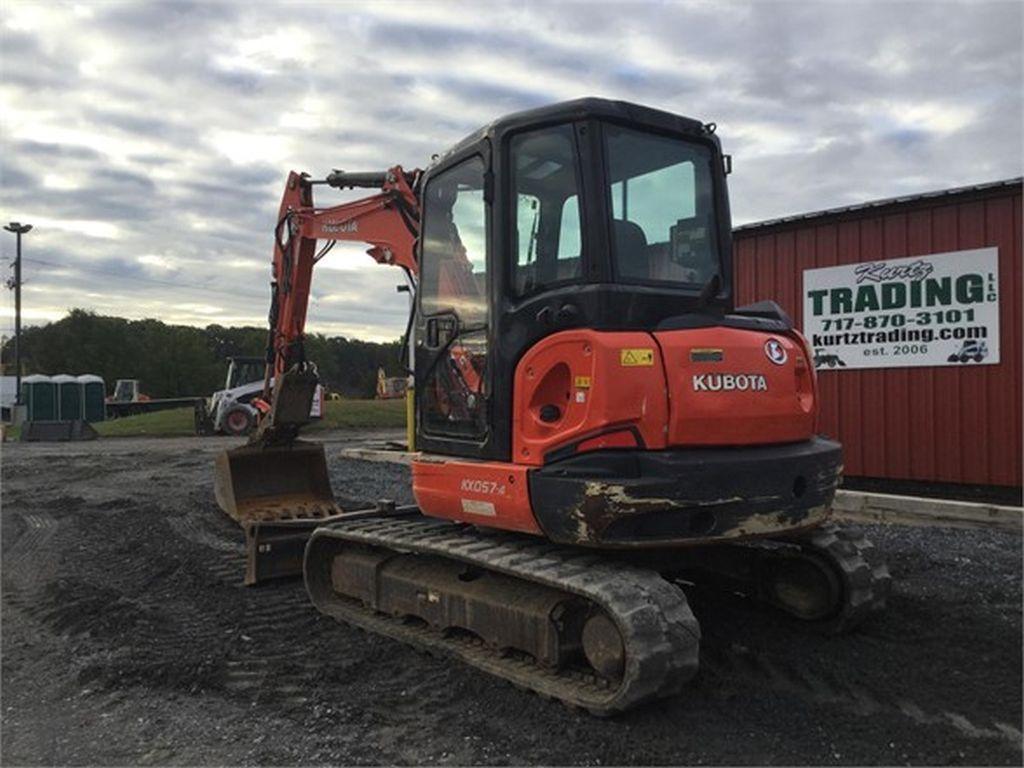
column 148, row 143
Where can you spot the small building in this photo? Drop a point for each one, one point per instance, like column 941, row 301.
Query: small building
column 8, row 390
column 8, row 396
column 913, row 308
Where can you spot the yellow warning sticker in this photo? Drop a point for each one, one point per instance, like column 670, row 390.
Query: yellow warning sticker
column 632, row 358
column 582, row 382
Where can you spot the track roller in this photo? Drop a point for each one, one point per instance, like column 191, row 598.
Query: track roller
column 857, row 579
column 832, row 578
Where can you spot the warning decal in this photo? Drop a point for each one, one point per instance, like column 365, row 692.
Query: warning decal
column 632, row 358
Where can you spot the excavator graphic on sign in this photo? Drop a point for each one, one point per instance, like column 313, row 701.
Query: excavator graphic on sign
column 830, row 359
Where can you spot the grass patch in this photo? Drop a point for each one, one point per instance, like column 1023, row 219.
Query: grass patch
column 338, row 414
column 379, row 414
column 176, row 422
column 180, row 422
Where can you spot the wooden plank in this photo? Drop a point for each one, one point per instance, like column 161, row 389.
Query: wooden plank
column 914, row 510
column 378, row 454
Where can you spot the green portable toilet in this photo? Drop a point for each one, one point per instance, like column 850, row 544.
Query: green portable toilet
column 69, row 397
column 39, row 394
column 94, row 393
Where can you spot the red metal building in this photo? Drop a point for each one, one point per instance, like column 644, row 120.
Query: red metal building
column 937, row 424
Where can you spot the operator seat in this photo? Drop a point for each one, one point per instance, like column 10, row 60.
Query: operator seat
column 630, row 249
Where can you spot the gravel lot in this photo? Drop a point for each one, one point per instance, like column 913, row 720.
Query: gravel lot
column 128, row 639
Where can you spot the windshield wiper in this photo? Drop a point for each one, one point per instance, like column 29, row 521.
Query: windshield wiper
column 533, row 234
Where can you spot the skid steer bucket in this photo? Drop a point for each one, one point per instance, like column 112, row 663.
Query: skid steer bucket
column 262, row 484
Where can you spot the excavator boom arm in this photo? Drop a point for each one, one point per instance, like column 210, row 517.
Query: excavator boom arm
column 388, row 221
column 277, row 476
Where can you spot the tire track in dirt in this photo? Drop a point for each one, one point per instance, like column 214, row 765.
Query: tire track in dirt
column 38, row 529
column 25, row 558
column 727, row 665
column 140, row 611
column 92, row 600
column 257, row 670
column 262, row 675
column 191, row 527
column 253, row 666
column 228, row 566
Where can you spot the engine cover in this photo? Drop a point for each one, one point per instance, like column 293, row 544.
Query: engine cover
column 730, row 386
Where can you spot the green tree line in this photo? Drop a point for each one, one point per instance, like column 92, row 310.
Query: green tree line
column 182, row 360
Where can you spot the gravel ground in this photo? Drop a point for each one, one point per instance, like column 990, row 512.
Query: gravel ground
column 127, row 639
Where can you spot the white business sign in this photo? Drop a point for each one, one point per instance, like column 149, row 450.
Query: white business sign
column 940, row 309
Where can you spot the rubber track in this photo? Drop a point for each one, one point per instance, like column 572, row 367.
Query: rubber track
column 661, row 635
column 865, row 576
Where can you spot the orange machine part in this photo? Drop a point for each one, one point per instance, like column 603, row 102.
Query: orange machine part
column 491, row 494
column 622, row 438
column 582, row 390
column 599, row 382
column 709, row 408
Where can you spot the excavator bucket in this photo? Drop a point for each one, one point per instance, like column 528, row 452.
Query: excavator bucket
column 257, row 483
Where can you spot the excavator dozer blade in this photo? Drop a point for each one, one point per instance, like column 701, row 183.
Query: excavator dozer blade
column 257, row 483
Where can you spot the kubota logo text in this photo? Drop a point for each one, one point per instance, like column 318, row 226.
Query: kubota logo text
column 729, row 382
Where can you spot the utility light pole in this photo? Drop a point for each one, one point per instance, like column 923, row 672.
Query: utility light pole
column 18, row 230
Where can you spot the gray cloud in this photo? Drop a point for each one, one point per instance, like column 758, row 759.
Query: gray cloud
column 149, row 142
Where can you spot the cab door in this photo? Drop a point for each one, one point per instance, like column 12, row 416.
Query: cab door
column 453, row 383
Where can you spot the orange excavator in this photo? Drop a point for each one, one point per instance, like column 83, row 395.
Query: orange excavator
column 596, row 422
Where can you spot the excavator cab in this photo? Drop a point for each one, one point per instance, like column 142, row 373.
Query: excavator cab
column 576, row 336
column 585, row 215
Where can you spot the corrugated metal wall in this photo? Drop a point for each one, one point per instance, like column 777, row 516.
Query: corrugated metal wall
column 942, row 424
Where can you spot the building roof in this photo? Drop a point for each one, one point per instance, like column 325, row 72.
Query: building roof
column 992, row 185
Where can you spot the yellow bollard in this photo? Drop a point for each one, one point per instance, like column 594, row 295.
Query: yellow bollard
column 410, row 417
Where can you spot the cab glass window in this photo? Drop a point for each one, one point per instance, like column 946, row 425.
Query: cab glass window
column 454, row 254
column 453, row 281
column 662, row 201
column 546, row 238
